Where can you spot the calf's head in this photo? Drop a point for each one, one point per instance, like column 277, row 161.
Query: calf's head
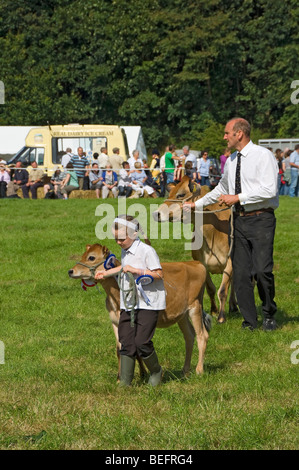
column 171, row 209
column 94, row 256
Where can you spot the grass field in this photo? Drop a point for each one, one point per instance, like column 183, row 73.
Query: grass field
column 58, row 381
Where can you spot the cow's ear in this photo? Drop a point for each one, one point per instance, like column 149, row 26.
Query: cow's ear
column 87, row 247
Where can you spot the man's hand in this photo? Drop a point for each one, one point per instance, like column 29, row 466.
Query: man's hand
column 228, row 200
column 188, row 206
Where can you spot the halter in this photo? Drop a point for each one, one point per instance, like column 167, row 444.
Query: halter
column 93, row 268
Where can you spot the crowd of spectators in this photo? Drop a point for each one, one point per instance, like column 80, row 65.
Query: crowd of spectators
column 114, row 177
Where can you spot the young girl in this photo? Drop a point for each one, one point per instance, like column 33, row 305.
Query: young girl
column 142, row 261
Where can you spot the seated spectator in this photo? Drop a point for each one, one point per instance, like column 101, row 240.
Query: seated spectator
column 139, row 182
column 70, row 182
column 109, row 182
column 19, row 179
column 189, row 170
column 55, row 182
column 178, row 172
column 155, row 163
column 4, row 180
column 151, row 181
column 95, row 179
column 125, row 181
column 34, row 182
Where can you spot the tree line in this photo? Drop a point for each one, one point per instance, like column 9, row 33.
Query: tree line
column 180, row 69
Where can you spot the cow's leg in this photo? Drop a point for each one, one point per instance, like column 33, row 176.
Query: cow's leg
column 211, row 290
column 222, row 296
column 115, row 330
column 202, row 335
column 189, row 334
column 233, row 305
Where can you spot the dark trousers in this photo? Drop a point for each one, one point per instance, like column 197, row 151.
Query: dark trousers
column 125, row 191
column 252, row 257
column 32, row 188
column 3, row 185
column 86, row 184
column 137, row 339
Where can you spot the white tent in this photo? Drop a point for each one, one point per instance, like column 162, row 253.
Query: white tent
column 135, row 140
column 12, row 138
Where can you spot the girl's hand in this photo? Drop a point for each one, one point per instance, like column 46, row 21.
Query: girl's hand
column 130, row 269
column 100, row 275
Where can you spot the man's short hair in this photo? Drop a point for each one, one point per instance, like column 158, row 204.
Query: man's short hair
column 115, row 150
column 241, row 125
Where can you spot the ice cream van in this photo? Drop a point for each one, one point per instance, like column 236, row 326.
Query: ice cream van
column 46, row 145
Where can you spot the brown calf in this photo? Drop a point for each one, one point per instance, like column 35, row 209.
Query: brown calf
column 215, row 248
column 184, row 283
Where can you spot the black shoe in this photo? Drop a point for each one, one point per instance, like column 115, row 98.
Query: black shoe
column 247, row 326
column 269, row 324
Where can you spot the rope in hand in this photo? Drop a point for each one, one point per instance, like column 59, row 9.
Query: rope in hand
column 130, row 292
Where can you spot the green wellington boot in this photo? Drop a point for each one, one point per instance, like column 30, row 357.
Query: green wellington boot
column 127, row 366
column 155, row 369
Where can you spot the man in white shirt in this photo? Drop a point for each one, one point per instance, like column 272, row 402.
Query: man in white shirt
column 189, row 157
column 103, row 158
column 66, row 157
column 135, row 158
column 254, row 196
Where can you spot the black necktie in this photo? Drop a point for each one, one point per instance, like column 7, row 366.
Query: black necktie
column 238, row 181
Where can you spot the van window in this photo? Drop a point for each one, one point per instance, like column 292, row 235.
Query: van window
column 30, row 154
column 40, row 156
column 89, row 144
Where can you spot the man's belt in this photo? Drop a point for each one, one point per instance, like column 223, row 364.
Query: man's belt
column 257, row 212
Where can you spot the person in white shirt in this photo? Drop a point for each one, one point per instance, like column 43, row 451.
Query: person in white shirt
column 189, row 157
column 66, row 157
column 255, row 197
column 137, row 322
column 135, row 158
column 103, row 158
column 125, row 181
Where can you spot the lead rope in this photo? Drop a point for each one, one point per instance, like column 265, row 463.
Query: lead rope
column 130, row 292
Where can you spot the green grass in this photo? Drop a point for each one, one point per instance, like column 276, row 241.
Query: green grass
column 58, row 383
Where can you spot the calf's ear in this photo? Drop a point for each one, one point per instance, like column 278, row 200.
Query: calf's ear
column 87, row 247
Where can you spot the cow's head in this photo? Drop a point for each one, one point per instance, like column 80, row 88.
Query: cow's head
column 94, row 257
column 171, row 210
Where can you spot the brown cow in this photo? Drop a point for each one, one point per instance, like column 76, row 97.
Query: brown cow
column 184, row 283
column 215, row 248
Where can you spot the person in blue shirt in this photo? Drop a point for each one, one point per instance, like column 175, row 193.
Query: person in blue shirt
column 294, row 164
column 109, row 182
column 203, row 170
column 80, row 163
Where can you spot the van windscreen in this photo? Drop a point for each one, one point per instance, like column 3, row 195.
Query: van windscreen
column 90, row 145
